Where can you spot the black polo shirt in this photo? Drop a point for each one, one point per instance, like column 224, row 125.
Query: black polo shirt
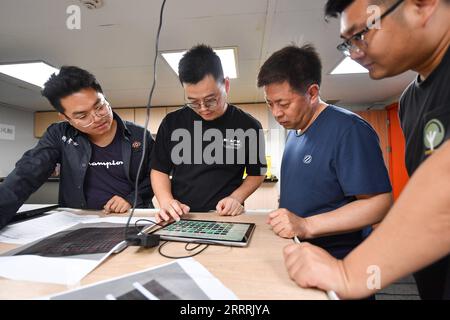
column 425, row 119
column 205, row 161
column 425, row 114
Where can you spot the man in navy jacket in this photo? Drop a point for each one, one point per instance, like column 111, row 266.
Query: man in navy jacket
column 98, row 152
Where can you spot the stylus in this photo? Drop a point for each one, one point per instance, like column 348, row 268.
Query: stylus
column 330, row 293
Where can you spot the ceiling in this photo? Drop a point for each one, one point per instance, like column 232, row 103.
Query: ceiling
column 116, row 43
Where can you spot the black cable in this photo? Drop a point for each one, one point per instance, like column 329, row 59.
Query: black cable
column 185, row 247
column 144, row 140
column 191, row 249
column 146, row 220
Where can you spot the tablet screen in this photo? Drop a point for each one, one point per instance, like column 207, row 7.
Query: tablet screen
column 219, row 232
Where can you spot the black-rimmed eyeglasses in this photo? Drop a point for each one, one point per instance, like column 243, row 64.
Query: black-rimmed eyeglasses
column 358, row 41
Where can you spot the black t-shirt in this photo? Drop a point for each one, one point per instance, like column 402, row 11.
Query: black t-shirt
column 425, row 119
column 105, row 176
column 425, row 114
column 205, row 158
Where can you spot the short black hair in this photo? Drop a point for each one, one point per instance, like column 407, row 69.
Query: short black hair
column 333, row 8
column 299, row 66
column 69, row 80
column 199, row 62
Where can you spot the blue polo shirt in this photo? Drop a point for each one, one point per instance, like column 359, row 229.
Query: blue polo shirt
column 335, row 159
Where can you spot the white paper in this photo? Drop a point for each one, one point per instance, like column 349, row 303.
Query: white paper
column 120, row 220
column 44, row 269
column 55, row 221
column 34, row 229
column 210, row 285
column 61, row 270
column 137, row 211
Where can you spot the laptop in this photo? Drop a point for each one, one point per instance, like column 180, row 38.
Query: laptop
column 30, row 211
column 225, row 233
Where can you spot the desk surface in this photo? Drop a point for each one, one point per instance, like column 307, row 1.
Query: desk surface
column 255, row 272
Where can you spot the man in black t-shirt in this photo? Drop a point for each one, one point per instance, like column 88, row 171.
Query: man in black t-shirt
column 415, row 235
column 99, row 153
column 206, row 146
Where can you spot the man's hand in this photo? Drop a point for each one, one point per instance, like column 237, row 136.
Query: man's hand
column 312, row 267
column 171, row 209
column 116, row 205
column 287, row 224
column 229, row 206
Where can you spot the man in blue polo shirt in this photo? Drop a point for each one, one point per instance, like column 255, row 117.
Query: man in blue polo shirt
column 334, row 183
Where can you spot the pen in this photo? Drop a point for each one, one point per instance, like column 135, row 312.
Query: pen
column 330, row 293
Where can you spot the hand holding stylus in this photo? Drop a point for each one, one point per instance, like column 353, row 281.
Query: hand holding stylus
column 312, row 267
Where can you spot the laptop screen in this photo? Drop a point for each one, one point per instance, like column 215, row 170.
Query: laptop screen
column 29, row 211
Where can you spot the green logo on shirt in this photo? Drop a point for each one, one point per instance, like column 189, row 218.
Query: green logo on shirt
column 433, row 135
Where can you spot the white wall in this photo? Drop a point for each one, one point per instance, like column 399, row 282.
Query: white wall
column 12, row 150
column 276, row 139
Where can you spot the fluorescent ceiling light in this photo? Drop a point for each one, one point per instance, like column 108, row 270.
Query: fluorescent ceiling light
column 227, row 57
column 36, row 73
column 349, row 66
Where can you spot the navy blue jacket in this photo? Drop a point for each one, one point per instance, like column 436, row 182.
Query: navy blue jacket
column 64, row 144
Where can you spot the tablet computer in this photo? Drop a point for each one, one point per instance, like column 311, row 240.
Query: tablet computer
column 225, row 233
column 30, row 211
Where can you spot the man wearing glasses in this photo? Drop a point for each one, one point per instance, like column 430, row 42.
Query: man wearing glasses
column 334, row 182
column 415, row 235
column 98, row 152
column 199, row 184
